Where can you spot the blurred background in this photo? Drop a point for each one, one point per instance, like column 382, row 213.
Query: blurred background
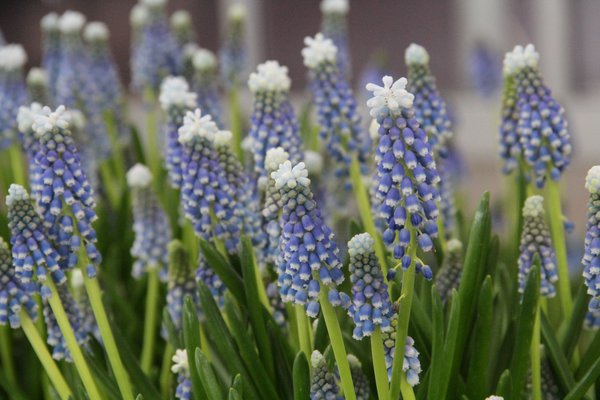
column 465, row 38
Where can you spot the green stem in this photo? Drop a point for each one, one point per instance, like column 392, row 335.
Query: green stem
column 536, row 373
column 302, row 324
column 204, row 342
column 8, row 367
column 558, row 239
column 406, row 389
column 16, row 164
column 262, row 292
column 408, row 286
column 152, row 150
column 379, row 367
column 110, row 186
column 235, row 123
column 40, row 349
column 76, row 354
column 165, row 372
column 150, row 319
column 113, row 135
column 337, row 344
column 441, row 230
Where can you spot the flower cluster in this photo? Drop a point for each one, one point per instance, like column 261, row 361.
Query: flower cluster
column 30, row 144
column 485, row 71
column 591, row 257
column 150, row 224
column 51, row 50
column 181, row 282
column 273, row 203
column 12, row 90
column 334, row 26
column 362, row 388
column 411, row 365
column 448, row 277
column 182, row 28
column 535, row 240
column 204, row 83
column 322, row 381
column 182, row 369
column 406, row 173
column 371, row 306
column 37, row 85
column 232, row 56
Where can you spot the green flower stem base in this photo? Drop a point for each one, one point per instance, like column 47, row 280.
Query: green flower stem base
column 40, row 349
column 337, row 344
column 381, row 378
column 235, row 121
column 536, row 371
column 6, row 354
column 65, row 327
column 558, row 239
column 150, row 319
column 152, row 150
column 303, row 334
column 165, row 372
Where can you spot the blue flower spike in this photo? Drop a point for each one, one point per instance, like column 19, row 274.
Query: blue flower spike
column 322, row 382
column 37, row 85
column 13, row 93
column 205, row 83
column 448, row 277
column 591, row 257
column 362, row 386
column 411, row 365
column 51, row 49
column 232, row 55
column 535, row 239
column 181, row 282
column 335, row 27
column 182, row 369
column 407, row 176
column 30, row 144
column 273, row 203
column 182, row 27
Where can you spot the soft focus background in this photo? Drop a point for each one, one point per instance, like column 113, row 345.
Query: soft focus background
column 457, row 34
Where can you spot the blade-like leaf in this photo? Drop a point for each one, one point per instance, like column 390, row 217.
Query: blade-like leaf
column 301, row 377
column 585, row 383
column 571, row 328
column 191, row 339
column 559, row 362
column 504, row 385
column 209, row 380
column 437, row 350
column 224, row 269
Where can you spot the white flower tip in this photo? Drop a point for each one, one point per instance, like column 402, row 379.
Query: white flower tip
column 181, row 18
column 269, row 76
column 318, row 50
column 189, row 50
column 76, row 118
column 71, row 22
column 16, row 193
column 374, row 129
column 519, row 58
column 49, row 21
column 534, row 206
column 291, row 177
column 77, row 279
column 175, row 92
column 454, row 246
column 494, row 397
column 37, row 76
column 416, row 54
column 139, row 176
column 392, row 95
column 592, row 180
column 12, row 57
column 204, row 59
column 153, row 3
column 362, row 243
column 316, row 358
column 138, row 15
column 335, row 6
column 314, row 162
column 352, row 359
column 197, row 125
column 46, row 120
column 222, row 138
column 180, row 361
column 275, row 157
column 236, row 12
column 95, row 32
column 25, row 116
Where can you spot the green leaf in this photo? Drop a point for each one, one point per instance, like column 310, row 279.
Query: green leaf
column 321, row 339
column 224, row 269
column 520, row 364
column 437, row 349
column 138, row 148
column 238, row 384
column 301, row 377
column 571, row 328
column 504, row 388
column 234, row 394
column 420, row 318
column 172, row 332
column 191, row 339
column 450, row 343
column 210, row 383
column 283, row 372
column 585, row 383
column 590, row 356
column 557, row 359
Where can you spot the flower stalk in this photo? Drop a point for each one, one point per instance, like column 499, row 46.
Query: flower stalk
column 381, row 379
column 150, row 319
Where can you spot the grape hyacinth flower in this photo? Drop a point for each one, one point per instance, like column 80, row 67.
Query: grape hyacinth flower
column 279, row 313
column 51, row 50
column 14, row 297
column 371, row 306
column 535, row 239
column 155, row 54
column 12, row 90
column 204, row 83
column 273, row 121
column 361, row 383
column 406, row 173
column 308, row 255
column 182, row 28
column 542, row 128
column 30, row 145
column 411, row 365
column 232, row 55
column 37, row 85
column 334, row 26
column 83, row 302
column 182, row 369
column 181, row 282
column 484, row 70
column 150, row 224
column 448, row 277
column 273, row 204
column 591, row 257
column 322, row 382
column 176, row 100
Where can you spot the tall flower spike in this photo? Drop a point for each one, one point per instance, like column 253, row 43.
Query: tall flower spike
column 13, row 295
column 338, row 118
column 182, row 28
column 12, row 90
column 34, row 256
column 232, row 55
column 181, row 282
column 485, row 70
column 448, row 277
column 273, row 203
column 66, row 202
column 83, row 303
column 322, row 382
column 406, row 173
column 591, row 256
column 30, row 144
column 411, row 365
column 150, row 224
column 361, row 382
column 155, row 53
column 542, row 127
column 279, row 312
column 274, row 123
column 204, row 83
column 308, row 255
column 182, row 369
column 335, row 27
column 535, row 239
column 51, row 49
column 371, row 306
column 37, row 85
column 176, row 100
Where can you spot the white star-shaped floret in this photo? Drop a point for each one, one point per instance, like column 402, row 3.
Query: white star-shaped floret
column 26, row 116
column 416, row 54
column 392, row 95
column 175, row 92
column 314, row 162
column 271, row 77
column 204, row 59
column 181, row 18
column 46, row 120
column 12, row 57
column 236, row 12
column 520, row 58
column 154, row 3
column 275, row 157
column 289, row 176
column 592, row 180
column 180, row 362
column 222, row 138
column 139, row 176
column 362, row 243
column 76, row 119
column 71, row 22
column 139, row 15
column 49, row 22
column 37, row 76
column 96, row 31
column 335, row 6
column 318, row 50
column 534, row 206
column 16, row 193
column 197, row 125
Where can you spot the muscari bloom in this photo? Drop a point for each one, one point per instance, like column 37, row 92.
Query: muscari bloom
column 279, row 313
column 448, row 277
column 83, row 303
column 274, row 123
column 181, row 282
column 535, row 240
column 411, row 365
column 273, row 204
column 37, row 85
column 541, row 126
column 14, row 297
column 66, row 202
column 155, row 53
column 338, row 118
column 51, row 49
column 150, row 224
column 308, row 255
column 322, row 382
column 371, row 306
column 591, row 256
column 430, row 111
column 182, row 28
column 406, row 173
column 361, row 383
column 232, row 55
column 484, row 70
column 176, row 100
column 182, row 369
column 204, row 83
column 334, row 26
column 12, row 90
column 30, row 144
